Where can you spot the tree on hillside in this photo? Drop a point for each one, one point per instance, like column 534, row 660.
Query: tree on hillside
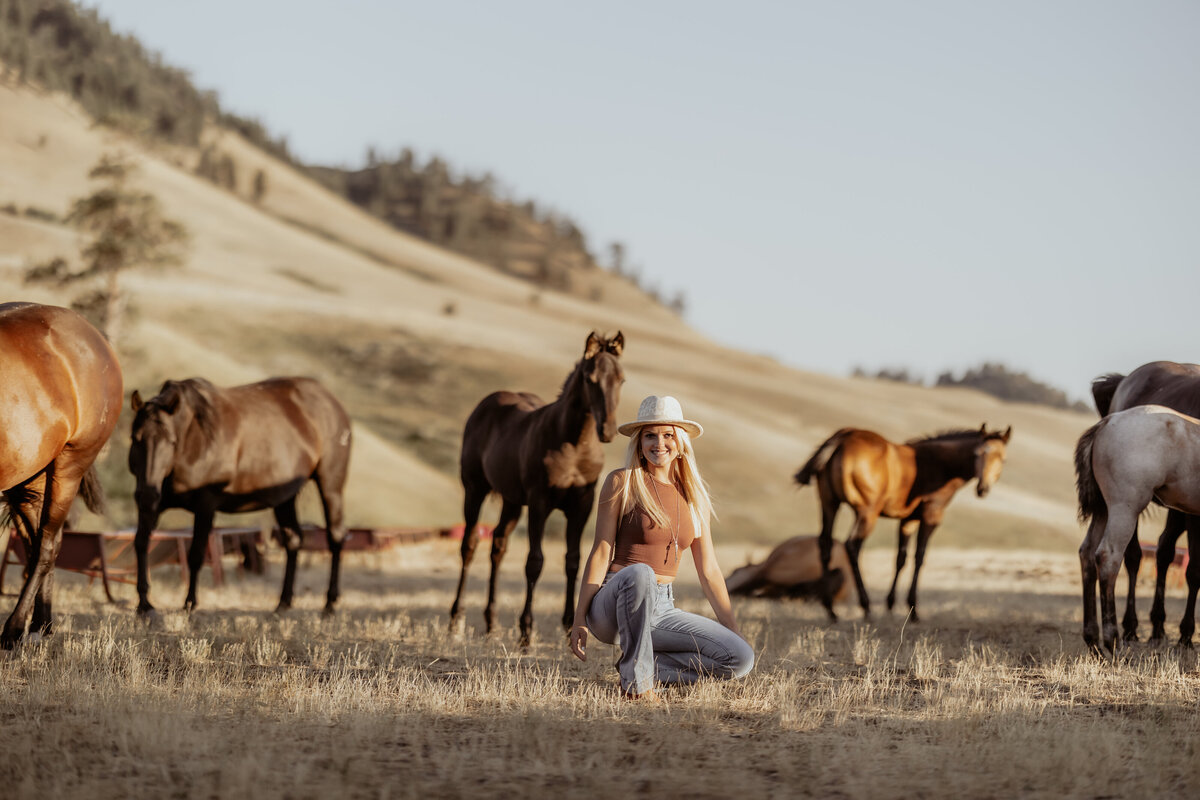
column 121, row 228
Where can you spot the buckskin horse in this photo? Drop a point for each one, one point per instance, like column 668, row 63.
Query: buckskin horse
column 60, row 398
column 546, row 456
column 247, row 448
column 1122, row 463
column 911, row 482
column 1177, row 386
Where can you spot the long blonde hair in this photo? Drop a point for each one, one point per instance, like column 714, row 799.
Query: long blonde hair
column 684, row 472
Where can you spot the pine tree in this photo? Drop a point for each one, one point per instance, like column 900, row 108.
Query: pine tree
column 121, row 228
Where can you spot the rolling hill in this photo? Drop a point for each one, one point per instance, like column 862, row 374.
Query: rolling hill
column 410, row 336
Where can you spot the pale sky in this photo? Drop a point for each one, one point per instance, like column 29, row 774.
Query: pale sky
column 876, row 183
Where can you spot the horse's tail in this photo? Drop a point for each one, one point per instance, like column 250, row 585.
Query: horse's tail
column 91, row 491
column 1103, row 389
column 821, row 457
column 1091, row 500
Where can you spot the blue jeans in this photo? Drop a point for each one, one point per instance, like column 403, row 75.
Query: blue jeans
column 658, row 641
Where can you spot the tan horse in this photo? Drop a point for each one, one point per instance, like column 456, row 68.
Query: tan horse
column 60, row 397
column 911, row 482
column 1122, row 463
column 792, row 569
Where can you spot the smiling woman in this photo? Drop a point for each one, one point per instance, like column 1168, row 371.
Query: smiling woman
column 649, row 511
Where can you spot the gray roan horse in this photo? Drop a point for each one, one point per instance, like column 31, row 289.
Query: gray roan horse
column 60, row 398
column 1177, row 386
column 546, row 456
column 1122, row 463
column 246, row 448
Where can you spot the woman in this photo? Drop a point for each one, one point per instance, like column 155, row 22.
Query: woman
column 650, row 512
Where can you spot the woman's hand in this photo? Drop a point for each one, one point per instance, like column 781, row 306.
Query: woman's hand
column 578, row 639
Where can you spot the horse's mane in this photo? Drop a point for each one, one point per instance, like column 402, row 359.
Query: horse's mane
column 198, row 394
column 956, row 435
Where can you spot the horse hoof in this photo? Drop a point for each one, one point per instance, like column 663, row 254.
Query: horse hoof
column 283, row 608
column 524, row 643
column 1131, row 636
column 913, row 616
column 1185, row 642
column 328, row 611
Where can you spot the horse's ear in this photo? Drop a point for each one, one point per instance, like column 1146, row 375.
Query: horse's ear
column 616, row 345
column 1007, row 435
column 594, row 345
column 983, row 429
column 135, row 402
column 171, row 395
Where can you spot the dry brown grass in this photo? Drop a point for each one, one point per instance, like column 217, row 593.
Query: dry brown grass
column 991, row 695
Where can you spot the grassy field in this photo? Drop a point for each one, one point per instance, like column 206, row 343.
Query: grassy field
column 991, row 695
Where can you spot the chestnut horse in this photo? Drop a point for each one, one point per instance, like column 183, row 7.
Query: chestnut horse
column 246, row 448
column 1122, row 463
column 60, row 397
column 1177, row 386
column 546, row 456
column 911, row 482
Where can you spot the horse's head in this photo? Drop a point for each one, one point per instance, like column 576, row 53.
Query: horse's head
column 989, row 458
column 157, row 426
column 603, row 378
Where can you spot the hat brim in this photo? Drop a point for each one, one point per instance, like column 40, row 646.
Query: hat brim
column 694, row 429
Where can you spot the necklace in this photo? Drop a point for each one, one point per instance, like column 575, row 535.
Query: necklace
column 674, row 524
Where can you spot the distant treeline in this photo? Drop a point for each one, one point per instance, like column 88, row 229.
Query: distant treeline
column 992, row 378
column 61, row 46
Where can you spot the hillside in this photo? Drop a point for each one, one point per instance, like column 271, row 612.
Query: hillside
column 411, row 336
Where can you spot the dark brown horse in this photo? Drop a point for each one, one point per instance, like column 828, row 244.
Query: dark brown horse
column 1177, row 386
column 546, row 456
column 912, row 482
column 60, row 397
column 247, row 448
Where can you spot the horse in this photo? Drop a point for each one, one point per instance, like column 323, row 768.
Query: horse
column 543, row 455
column 60, row 398
column 911, row 482
column 1177, row 386
column 792, row 569
column 246, row 448
column 1122, row 463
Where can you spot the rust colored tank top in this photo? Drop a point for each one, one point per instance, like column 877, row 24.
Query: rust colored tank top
column 640, row 541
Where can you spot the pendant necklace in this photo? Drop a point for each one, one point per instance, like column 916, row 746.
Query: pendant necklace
column 674, row 524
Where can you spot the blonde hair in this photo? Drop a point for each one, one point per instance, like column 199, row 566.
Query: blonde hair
column 634, row 491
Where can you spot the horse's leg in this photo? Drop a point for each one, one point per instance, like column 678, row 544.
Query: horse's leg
column 1177, row 522
column 538, row 511
column 829, row 508
column 335, row 535
column 1133, row 563
column 903, row 532
column 1187, row 625
column 30, row 511
column 926, row 531
column 577, row 517
column 1122, row 519
column 1087, row 570
column 201, row 528
column 863, row 524
column 509, row 514
column 291, row 537
column 147, row 519
column 472, row 502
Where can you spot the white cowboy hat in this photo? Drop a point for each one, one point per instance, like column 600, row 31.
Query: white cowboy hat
column 664, row 410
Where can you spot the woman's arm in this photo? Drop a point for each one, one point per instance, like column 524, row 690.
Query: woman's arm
column 704, row 555
column 596, row 566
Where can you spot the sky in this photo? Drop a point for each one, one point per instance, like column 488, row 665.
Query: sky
column 836, row 184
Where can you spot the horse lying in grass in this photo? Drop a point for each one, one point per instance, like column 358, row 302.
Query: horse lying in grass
column 793, row 569
column 1122, row 463
column 911, row 482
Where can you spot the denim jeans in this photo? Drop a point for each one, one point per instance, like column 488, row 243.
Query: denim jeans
column 658, row 641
